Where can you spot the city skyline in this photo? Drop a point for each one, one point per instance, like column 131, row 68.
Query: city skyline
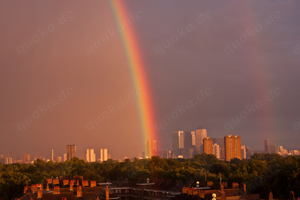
column 215, row 146
column 78, row 73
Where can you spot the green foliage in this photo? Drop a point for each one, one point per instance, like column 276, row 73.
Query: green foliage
column 262, row 173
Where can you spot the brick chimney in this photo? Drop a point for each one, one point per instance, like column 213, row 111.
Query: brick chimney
column 71, row 186
column 244, row 188
column 47, row 189
column 39, row 193
column 223, row 196
column 271, row 196
column 56, row 190
column 107, row 193
column 222, row 188
column 25, row 190
column 79, row 191
column 291, row 197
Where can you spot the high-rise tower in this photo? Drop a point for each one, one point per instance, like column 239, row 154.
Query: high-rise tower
column 71, row 151
column 200, row 135
column 232, row 147
column 208, row 145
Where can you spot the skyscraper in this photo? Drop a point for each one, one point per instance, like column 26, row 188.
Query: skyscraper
column 267, row 146
column 90, row 155
column 52, row 155
column 243, row 152
column 177, row 142
column 71, row 151
column 189, row 139
column 103, row 155
column 150, row 148
column 216, row 149
column 208, row 145
column 200, row 135
column 232, row 147
column 65, row 157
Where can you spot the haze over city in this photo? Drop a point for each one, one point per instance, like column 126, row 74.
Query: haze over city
column 230, row 67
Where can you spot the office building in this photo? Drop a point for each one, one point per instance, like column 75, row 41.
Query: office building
column 65, row 157
column 216, row 150
column 150, row 148
column 267, row 146
column 177, row 142
column 232, row 147
column 208, row 145
column 189, row 139
column 243, row 152
column 71, row 152
column 200, row 135
column 103, row 155
column 90, row 155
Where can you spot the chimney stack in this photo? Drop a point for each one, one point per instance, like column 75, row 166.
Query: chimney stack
column 271, row 196
column 71, row 186
column 244, row 188
column 39, row 193
column 223, row 196
column 79, row 191
column 222, row 188
column 47, row 189
column 107, row 193
column 291, row 195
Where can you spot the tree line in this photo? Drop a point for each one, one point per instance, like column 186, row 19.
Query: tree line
column 262, row 173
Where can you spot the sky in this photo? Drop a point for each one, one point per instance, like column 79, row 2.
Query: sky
column 231, row 67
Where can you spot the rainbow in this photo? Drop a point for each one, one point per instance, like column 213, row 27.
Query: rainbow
column 137, row 70
column 259, row 69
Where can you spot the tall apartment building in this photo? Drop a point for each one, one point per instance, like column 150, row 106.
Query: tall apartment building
column 208, row 145
column 71, row 151
column 200, row 135
column 90, row 155
column 103, row 155
column 232, row 147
